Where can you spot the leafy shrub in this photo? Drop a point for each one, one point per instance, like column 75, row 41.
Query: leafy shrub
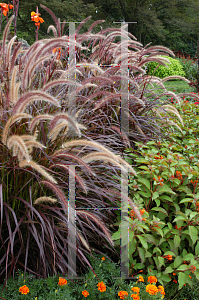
column 190, row 68
column 166, row 190
column 162, row 71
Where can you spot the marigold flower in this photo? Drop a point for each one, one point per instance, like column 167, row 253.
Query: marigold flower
column 85, row 293
column 135, row 289
column 101, row 287
column 103, row 258
column 62, row 281
column 161, row 289
column 122, row 294
column 135, row 297
column 151, row 289
column 152, row 279
column 24, row 290
column 140, row 279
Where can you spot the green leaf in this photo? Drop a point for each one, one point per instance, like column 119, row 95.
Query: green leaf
column 155, row 195
column 186, row 200
column 197, row 274
column 141, row 254
column 168, row 270
column 193, row 214
column 116, row 235
column 177, row 241
column 183, row 268
column 159, row 230
column 157, row 201
column 166, row 189
column 181, row 280
column 197, row 249
column 184, row 189
column 132, row 247
column 188, row 256
column 193, row 232
column 145, row 182
column 160, row 209
column 165, row 277
column 177, row 261
column 143, row 241
column 151, row 238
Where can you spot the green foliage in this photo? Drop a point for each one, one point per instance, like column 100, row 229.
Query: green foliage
column 190, row 68
column 166, row 191
column 174, row 68
column 105, row 271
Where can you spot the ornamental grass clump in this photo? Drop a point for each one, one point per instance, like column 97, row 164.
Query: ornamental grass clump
column 58, row 125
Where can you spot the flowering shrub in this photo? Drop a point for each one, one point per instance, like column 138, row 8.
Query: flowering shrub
column 166, row 240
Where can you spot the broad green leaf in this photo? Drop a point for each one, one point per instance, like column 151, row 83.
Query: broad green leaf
column 143, row 241
column 168, row 270
column 141, row 254
column 169, row 253
column 157, row 201
column 155, row 195
column 145, row 182
column 197, row 249
column 156, row 249
column 181, row 280
column 186, row 200
column 165, row 277
column 116, row 235
column 177, row 261
column 151, row 238
column 160, row 209
column 177, row 241
column 184, row 189
column 166, row 189
column 161, row 261
column 159, row 230
column 182, row 268
column 197, row 274
column 193, row 232
column 193, row 214
column 188, row 256
column 132, row 247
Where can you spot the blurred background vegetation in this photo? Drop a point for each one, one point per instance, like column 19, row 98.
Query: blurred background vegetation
column 172, row 23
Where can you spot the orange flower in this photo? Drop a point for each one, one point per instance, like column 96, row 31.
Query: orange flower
column 179, row 175
column 122, row 294
column 175, row 281
column 24, row 290
column 103, row 258
column 85, row 293
column 62, row 281
column 136, row 289
column 152, row 279
column 174, row 274
column 135, row 297
column 5, row 8
column 161, row 290
column 168, row 257
column 151, row 289
column 101, row 287
column 36, row 18
column 192, row 269
column 142, row 211
column 140, row 279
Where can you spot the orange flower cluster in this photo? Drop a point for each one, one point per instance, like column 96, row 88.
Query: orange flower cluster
column 160, row 180
column 85, row 293
column 194, row 182
column 135, row 289
column 101, row 287
column 132, row 213
column 161, row 290
column 5, row 8
column 59, row 52
column 62, row 281
column 176, row 227
column 175, row 281
column 168, row 257
column 36, row 18
column 152, row 279
column 135, row 297
column 159, row 157
column 24, row 290
column 192, row 268
column 197, row 205
column 140, row 279
column 122, row 294
column 179, row 175
column 103, row 258
column 151, row 289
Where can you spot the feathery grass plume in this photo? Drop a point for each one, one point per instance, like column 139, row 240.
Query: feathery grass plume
column 18, row 141
column 59, row 82
column 94, row 145
column 38, row 118
column 65, row 116
column 42, row 60
column 98, row 222
column 14, row 86
column 32, row 96
column 5, row 35
column 75, row 175
column 175, row 77
column 161, row 60
column 114, row 159
column 38, row 168
column 34, row 144
column 9, row 48
column 76, row 158
column 45, row 199
column 195, row 96
column 173, row 110
column 135, row 123
column 55, row 131
column 169, row 122
column 9, row 123
column 169, row 93
column 83, row 240
column 54, row 30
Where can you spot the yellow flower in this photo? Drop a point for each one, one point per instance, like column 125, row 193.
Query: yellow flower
column 151, row 289
column 140, row 279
